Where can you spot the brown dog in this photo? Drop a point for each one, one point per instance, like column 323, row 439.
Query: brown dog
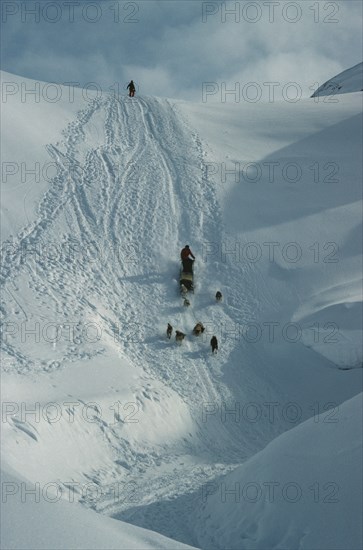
column 198, row 329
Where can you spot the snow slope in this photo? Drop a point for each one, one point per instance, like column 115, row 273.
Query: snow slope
column 346, row 82
column 291, row 199
column 95, row 399
column 30, row 120
column 50, row 522
column 293, row 494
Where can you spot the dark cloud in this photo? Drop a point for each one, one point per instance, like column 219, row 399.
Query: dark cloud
column 170, row 49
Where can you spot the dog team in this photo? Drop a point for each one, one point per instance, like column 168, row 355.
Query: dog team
column 197, row 330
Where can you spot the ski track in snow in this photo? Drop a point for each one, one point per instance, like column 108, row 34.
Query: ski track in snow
column 132, row 201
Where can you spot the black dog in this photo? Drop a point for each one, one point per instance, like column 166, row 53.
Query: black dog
column 169, row 331
column 179, row 336
column 214, row 344
column 218, row 296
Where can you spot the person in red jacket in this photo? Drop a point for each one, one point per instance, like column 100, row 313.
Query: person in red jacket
column 187, row 258
column 186, row 253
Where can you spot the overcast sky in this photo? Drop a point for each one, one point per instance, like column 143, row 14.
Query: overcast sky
column 170, row 48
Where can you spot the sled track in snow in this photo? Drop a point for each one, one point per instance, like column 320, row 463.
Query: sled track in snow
column 121, row 205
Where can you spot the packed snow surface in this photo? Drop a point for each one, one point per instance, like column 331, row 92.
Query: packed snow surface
column 105, row 420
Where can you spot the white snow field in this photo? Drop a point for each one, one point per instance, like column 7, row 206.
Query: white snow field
column 106, row 422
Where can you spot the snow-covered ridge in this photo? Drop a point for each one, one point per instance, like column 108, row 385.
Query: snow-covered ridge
column 290, row 479
column 94, row 393
column 350, row 80
column 46, row 521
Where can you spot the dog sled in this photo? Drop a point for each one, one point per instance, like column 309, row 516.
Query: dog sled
column 186, row 278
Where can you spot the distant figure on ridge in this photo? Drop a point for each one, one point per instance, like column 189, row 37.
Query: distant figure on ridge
column 131, row 88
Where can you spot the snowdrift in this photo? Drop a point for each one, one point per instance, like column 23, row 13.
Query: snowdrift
column 299, row 492
column 46, row 521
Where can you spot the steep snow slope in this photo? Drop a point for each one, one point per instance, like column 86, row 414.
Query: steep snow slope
column 346, row 82
column 291, row 199
column 33, row 114
column 94, row 395
column 296, row 493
